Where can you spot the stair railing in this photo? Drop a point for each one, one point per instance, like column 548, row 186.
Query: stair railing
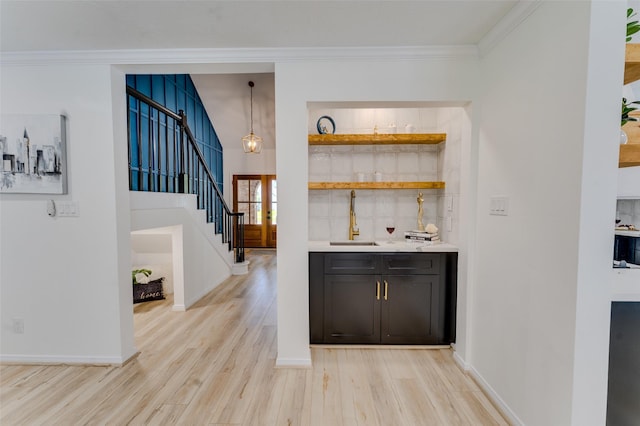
column 172, row 162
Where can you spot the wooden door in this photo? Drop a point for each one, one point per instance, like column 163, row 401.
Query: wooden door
column 256, row 196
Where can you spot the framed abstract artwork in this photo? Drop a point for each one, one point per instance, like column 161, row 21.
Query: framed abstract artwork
column 33, row 149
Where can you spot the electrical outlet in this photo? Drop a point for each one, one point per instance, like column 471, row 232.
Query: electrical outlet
column 18, row 325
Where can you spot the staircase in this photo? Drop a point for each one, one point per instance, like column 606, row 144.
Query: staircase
column 170, row 161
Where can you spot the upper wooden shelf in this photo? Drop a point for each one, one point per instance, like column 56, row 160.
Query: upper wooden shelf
column 378, row 139
column 376, row 185
column 629, row 155
column 632, row 63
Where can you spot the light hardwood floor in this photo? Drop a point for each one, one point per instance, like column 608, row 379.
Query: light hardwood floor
column 214, row 365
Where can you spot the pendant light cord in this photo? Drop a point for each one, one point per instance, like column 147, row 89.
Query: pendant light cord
column 251, row 85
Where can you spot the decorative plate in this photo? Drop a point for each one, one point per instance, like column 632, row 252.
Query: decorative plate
column 326, row 125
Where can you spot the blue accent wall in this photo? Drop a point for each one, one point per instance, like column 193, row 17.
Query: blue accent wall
column 176, row 92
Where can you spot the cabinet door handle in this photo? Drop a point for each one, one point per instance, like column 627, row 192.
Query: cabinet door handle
column 377, row 290
column 386, row 289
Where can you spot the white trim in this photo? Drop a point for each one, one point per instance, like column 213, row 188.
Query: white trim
column 240, row 268
column 293, row 363
column 179, row 308
column 495, row 398
column 461, row 362
column 377, row 346
column 244, row 55
column 511, row 20
column 62, row 359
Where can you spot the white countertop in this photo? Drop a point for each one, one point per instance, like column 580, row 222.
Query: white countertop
column 383, row 246
column 628, row 233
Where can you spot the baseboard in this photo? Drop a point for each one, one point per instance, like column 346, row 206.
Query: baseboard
column 178, row 308
column 374, row 347
column 293, row 363
column 240, row 268
column 190, row 303
column 61, row 359
column 461, row 362
column 494, row 397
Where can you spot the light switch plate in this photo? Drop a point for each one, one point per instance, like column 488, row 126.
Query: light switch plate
column 499, row 206
column 67, row 208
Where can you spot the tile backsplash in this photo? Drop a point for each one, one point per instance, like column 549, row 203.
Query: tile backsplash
column 628, row 211
column 329, row 209
column 404, row 163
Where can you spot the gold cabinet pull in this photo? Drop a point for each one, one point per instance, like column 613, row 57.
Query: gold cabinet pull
column 386, row 289
column 377, row 290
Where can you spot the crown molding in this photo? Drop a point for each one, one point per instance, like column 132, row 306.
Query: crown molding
column 516, row 16
column 241, row 55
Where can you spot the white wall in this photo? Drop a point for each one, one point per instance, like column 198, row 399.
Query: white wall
column 297, row 84
column 539, row 334
column 198, row 265
column 227, row 98
column 65, row 277
column 453, row 122
column 629, row 177
column 629, row 182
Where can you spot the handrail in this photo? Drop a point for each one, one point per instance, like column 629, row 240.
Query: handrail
column 147, row 100
column 232, row 226
column 196, row 148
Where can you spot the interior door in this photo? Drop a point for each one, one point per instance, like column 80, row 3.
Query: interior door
column 257, row 197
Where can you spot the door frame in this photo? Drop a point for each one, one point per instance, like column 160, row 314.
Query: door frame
column 268, row 230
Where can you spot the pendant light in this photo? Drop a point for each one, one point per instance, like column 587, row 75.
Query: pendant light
column 252, row 143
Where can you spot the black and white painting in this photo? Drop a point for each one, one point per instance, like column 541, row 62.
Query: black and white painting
column 33, row 154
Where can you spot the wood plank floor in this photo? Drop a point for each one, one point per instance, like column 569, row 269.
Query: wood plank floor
column 214, row 365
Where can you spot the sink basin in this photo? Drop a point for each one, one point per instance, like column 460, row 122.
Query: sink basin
column 353, row 243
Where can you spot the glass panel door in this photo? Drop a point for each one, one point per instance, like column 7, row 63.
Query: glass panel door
column 256, row 197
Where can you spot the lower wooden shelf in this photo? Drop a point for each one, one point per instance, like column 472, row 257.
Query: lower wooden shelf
column 376, row 185
column 629, row 155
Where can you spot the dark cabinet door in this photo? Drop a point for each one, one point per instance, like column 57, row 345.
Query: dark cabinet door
column 351, row 309
column 410, row 309
column 627, row 248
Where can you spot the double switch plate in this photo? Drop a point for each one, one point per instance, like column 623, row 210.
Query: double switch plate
column 499, row 206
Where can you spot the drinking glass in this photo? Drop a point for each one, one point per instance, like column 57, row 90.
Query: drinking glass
column 390, row 228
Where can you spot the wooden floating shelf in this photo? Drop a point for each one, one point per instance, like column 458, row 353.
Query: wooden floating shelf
column 629, row 155
column 632, row 63
column 376, row 185
column 378, row 139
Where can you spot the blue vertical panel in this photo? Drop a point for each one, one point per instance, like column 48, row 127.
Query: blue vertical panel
column 180, row 80
column 144, row 144
column 157, row 89
column 170, row 94
column 182, row 98
column 176, row 92
column 191, row 111
column 199, row 124
column 133, row 145
column 143, row 84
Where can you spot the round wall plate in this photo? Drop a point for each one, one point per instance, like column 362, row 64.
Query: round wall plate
column 326, row 125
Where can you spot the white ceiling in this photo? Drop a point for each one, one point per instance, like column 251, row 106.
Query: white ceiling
column 37, row 25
